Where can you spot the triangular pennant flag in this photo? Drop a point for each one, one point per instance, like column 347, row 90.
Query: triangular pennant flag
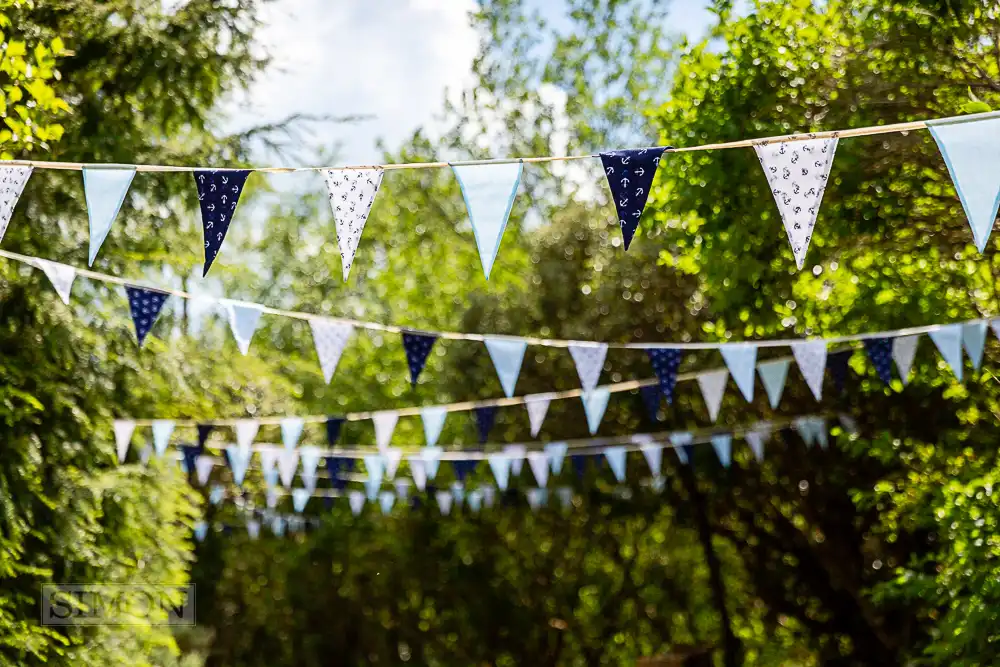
column 681, row 441
column 402, row 486
column 811, row 357
column 458, row 493
column 200, row 531
column 557, row 452
column 239, row 461
column 204, row 430
column 485, row 418
column 773, row 375
column 630, row 175
column 536, row 498
column 444, row 500
column 949, row 343
column 475, row 500
column 507, row 356
column 658, row 483
column 565, row 495
column 291, row 431
column 838, row 364
column 334, row 464
column 309, row 458
column 489, row 191
column 594, row 404
column 246, row 431
column 616, row 459
column 270, row 475
column 218, row 194
column 299, row 499
column 203, row 467
column 147, row 451
column 589, row 360
column 880, row 352
column 713, row 386
column 12, row 182
column 516, row 453
column 333, row 425
column 432, row 458
column 433, row 419
column 253, row 529
column 500, row 465
column 417, row 348
column 385, row 425
column 973, row 340
column 723, row 445
column 651, row 400
column 243, row 321
column 123, row 436
column 418, row 471
column 797, row 173
column 330, row 339
column 393, row 455
column 288, row 464
column 60, row 275
column 995, row 325
column 665, row 363
column 741, row 359
column 463, row 468
column 970, row 149
column 162, row 430
column 654, row 457
column 537, row 407
column 375, row 465
column 488, row 494
column 356, row 500
column 805, row 430
column 819, row 431
column 105, row 189
column 352, row 193
column 278, row 526
column 268, row 461
column 904, row 349
column 579, row 462
column 757, row 440
column 189, row 455
column 539, row 464
column 145, row 306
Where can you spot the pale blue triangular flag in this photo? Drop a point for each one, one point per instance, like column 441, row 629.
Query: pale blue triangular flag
column 123, row 436
column 246, row 432
column 805, row 429
column 239, row 461
column 270, row 477
column 589, row 360
column 375, row 465
column 565, row 494
column 557, row 453
column 60, row 275
column 995, row 325
column 488, row 494
column 539, row 464
column 458, row 493
column 217, row 494
column 200, row 531
column 162, row 430
column 385, row 424
column 594, row 404
column 500, row 465
column 757, row 439
column 713, row 387
column 516, row 454
column 810, row 355
column 507, row 356
column 949, row 343
column 386, row 500
column 904, row 349
column 291, row 431
column 309, row 458
column 433, row 419
column 773, row 374
column 658, row 483
column 444, row 500
column 475, row 500
column 372, row 488
column 288, row 465
column 356, row 500
column 147, row 452
column 418, row 471
column 616, row 461
column 537, row 498
column 537, row 407
column 971, row 149
column 402, row 486
column 819, row 431
column 973, row 340
column 253, row 528
column 432, row 459
column 268, row 461
column 741, row 359
column 243, row 320
column 488, row 190
column 299, row 499
column 654, row 456
column 278, row 526
column 723, row 445
column 203, row 468
column 105, row 189
column 392, row 455
column 680, row 441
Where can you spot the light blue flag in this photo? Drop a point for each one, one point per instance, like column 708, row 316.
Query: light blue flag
column 444, row 501
column 565, row 495
column 741, row 358
column 537, row 498
column 278, row 526
column 757, row 439
column 299, row 499
column 500, row 465
column 681, row 441
column 239, row 461
column 200, row 531
column 458, row 493
column 557, row 453
column 804, row 426
column 270, row 477
column 594, row 404
column 489, row 494
column 162, row 430
column 253, row 529
column 217, row 494
column 291, row 431
column 432, row 459
column 973, row 340
column 723, row 444
column 433, row 419
column 105, row 189
column 356, row 500
column 949, row 343
column 488, row 190
column 243, row 321
column 616, row 461
column 386, row 500
column 773, row 374
column 507, row 356
column 971, row 149
column 375, row 465
column 475, row 500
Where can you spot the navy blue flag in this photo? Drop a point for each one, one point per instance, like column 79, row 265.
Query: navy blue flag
column 203, row 432
column 145, row 306
column 665, row 362
column 463, row 469
column 579, row 462
column 651, row 400
column 485, row 418
column 218, row 194
column 336, row 465
column 333, row 425
column 417, row 347
column 630, row 175
column 880, row 352
column 837, row 365
column 328, row 502
column 191, row 454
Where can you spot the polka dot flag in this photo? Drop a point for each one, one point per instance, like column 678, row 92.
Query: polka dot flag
column 665, row 362
column 880, row 352
column 145, row 306
column 417, row 348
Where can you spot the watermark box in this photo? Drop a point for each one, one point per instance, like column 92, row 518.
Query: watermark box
column 117, row 604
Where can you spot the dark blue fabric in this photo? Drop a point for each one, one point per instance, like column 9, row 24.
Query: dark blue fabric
column 417, row 347
column 191, row 454
column 204, row 430
column 145, row 306
column 337, row 465
column 463, row 469
column 880, row 352
column 651, row 400
column 630, row 174
column 579, row 462
column 218, row 194
column 485, row 418
column 328, row 502
column 333, row 425
column 665, row 362
column 837, row 365
column 688, row 453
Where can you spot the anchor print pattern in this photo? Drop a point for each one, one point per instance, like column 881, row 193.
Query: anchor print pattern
column 630, row 174
column 352, row 193
column 12, row 181
column 218, row 194
column 145, row 306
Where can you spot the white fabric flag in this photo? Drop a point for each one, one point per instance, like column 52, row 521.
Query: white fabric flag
column 973, row 340
column 589, row 360
column 12, row 181
column 375, row 465
column 995, row 325
column 458, row 493
column 402, row 486
column 246, row 431
column 356, row 500
column 309, row 459
column 516, row 454
column 507, row 356
column 805, row 429
column 253, row 529
column 300, row 497
column 797, row 173
column 475, row 500
column 386, row 500
column 565, row 494
column 594, row 404
column 60, row 275
column 949, row 343
column 616, row 460
column 713, row 387
column 432, row 459
column 278, row 526
column 723, row 445
column 904, row 349
column 741, row 359
column 268, row 460
column 489, row 494
column 444, row 500
column 773, row 375
column 200, row 531
column 243, row 320
column 500, row 465
column 433, row 419
column 123, row 436
column 239, row 462
column 536, row 498
column 811, row 357
column 291, row 431
column 489, row 191
column 385, row 425
column 757, row 439
column 203, row 468
column 162, row 430
column 539, row 464
column 680, row 441
column 352, row 193
column 393, row 455
column 330, row 338
column 418, row 472
column 288, row 464
column 104, row 188
column 654, row 457
column 537, row 407
column 557, row 453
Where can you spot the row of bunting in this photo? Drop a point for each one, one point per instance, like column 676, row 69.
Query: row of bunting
column 797, row 173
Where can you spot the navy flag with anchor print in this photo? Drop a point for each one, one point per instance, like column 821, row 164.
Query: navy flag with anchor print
column 218, row 194
column 630, row 174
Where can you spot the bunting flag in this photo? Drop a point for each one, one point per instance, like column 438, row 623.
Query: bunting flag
column 837, row 363
column 246, row 432
column 60, row 275
column 270, row 475
column 579, row 462
column 203, row 467
column 565, row 495
column 713, row 386
column 288, row 464
column 12, row 182
column 880, row 352
column 145, row 306
column 995, row 325
column 393, row 455
column 973, row 340
column 630, row 175
column 970, row 149
column 948, row 340
column 239, row 461
column 402, row 487
column 333, row 425
column 431, row 457
column 651, row 401
column 458, row 493
column 419, row 472
column 218, row 194
column 104, row 189
column 417, row 348
column 616, row 460
column 330, row 339
column 147, row 451
column 594, row 404
column 722, row 443
column 475, row 500
column 810, row 355
column 500, row 465
column 243, row 320
column 278, row 526
column 123, row 437
column 539, row 464
column 204, row 430
column 517, row 454
column 773, row 375
column 253, row 529
column 654, row 457
column 536, row 498
column 334, row 464
column 309, row 459
column 300, row 497
column 200, row 531
column 805, row 430
column 485, row 418
column 463, row 468
column 556, row 452
column 488, row 495
column 537, row 407
column 904, row 349
column 375, row 466
column 162, row 430
column 433, row 420
column 489, row 191
column 507, row 356
column 589, row 360
column 741, row 359
column 385, row 425
column 352, row 193
column 665, row 361
column 291, row 431
column 681, row 442
column 268, row 461
column 757, row 439
column 444, row 500
column 356, row 500
column 797, row 173
column 271, row 498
